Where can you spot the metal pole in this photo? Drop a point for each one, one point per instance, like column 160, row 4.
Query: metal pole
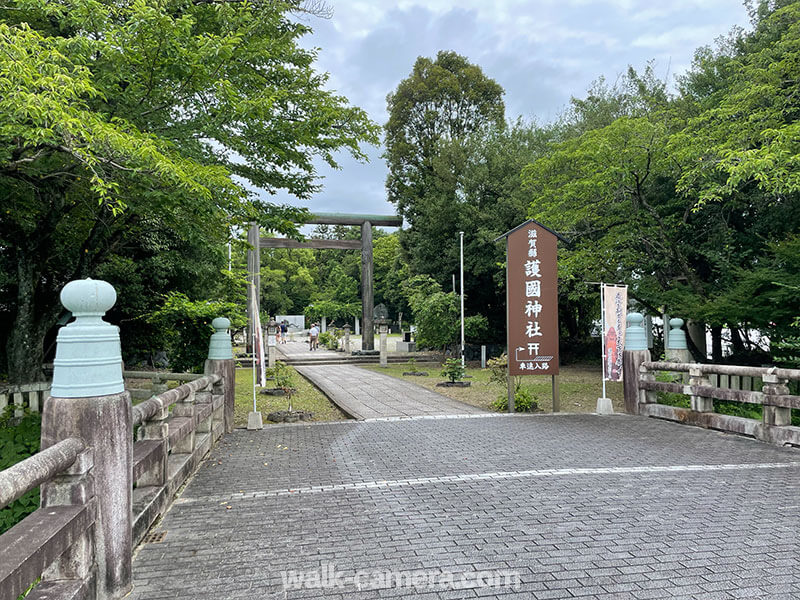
column 509, row 380
column 602, row 334
column 254, row 369
column 461, row 233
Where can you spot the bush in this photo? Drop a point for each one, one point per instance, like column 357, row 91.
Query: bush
column 282, row 374
column 476, row 329
column 326, row 338
column 453, row 370
column 524, row 401
column 19, row 439
column 435, row 312
column 187, row 324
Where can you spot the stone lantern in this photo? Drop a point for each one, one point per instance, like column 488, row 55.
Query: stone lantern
column 382, row 321
column 346, row 338
column 272, row 331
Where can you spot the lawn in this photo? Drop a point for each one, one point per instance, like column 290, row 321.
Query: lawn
column 307, row 398
column 580, row 386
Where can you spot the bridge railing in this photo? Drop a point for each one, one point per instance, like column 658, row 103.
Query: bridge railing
column 175, row 430
column 55, row 536
column 693, row 380
column 30, row 396
column 100, row 490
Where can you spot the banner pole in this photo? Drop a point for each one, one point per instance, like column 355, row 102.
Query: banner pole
column 603, row 334
column 254, row 370
column 509, row 381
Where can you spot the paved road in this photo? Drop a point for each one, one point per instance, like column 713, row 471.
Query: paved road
column 365, row 394
column 565, row 505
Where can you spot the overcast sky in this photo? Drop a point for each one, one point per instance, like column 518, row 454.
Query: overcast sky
column 541, row 51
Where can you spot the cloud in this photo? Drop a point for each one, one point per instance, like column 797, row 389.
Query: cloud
column 541, row 52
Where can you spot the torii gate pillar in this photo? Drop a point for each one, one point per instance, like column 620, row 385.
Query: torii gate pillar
column 367, row 292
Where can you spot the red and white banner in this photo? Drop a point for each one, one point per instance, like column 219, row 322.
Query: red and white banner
column 260, row 376
column 615, row 306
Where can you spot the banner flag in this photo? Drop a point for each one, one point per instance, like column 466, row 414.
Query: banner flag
column 615, row 308
column 258, row 349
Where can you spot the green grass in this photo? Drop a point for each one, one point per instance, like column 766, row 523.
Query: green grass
column 580, row 386
column 307, row 398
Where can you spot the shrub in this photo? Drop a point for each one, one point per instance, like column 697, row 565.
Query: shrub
column 453, row 369
column 325, row 339
column 524, row 401
column 282, row 374
column 476, row 329
column 187, row 324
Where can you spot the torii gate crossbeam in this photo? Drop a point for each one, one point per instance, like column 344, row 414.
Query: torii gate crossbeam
column 367, row 292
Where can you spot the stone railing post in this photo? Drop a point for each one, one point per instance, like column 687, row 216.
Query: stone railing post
column 74, row 486
column 677, row 350
column 699, row 403
column 88, row 400
column 220, row 362
column 775, row 386
column 634, row 354
column 646, row 396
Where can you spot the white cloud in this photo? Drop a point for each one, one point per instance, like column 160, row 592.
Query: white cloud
column 541, row 52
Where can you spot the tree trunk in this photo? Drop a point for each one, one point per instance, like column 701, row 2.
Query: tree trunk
column 24, row 348
column 736, row 340
column 716, row 344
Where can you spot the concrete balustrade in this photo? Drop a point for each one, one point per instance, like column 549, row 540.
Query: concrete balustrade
column 775, row 424
column 100, row 490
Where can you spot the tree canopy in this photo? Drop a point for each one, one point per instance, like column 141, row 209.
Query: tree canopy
column 123, row 123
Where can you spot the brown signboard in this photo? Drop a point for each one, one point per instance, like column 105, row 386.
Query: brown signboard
column 532, row 300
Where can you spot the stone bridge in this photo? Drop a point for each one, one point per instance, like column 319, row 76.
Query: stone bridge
column 453, row 506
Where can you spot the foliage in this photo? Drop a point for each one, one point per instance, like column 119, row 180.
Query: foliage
column 332, row 310
column 476, row 329
column 333, row 342
column 687, row 198
column 188, row 328
column 119, row 120
column 524, row 401
column 327, row 338
column 282, row 374
column 19, row 439
column 442, row 100
column 435, row 312
column 498, row 369
column 453, row 370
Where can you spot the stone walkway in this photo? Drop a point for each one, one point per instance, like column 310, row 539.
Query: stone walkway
column 365, row 394
column 551, row 506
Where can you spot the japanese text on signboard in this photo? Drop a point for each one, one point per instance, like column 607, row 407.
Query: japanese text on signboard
column 532, row 301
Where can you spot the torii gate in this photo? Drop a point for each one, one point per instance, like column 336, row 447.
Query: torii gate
column 367, row 295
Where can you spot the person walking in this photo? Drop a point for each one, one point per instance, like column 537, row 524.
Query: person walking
column 284, row 332
column 313, row 337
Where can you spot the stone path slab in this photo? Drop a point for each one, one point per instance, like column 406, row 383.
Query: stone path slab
column 365, row 394
column 566, row 506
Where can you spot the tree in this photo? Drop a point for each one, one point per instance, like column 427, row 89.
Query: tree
column 435, row 312
column 117, row 119
column 441, row 101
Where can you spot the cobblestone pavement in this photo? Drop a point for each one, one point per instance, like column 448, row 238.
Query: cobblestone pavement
column 365, row 394
column 563, row 506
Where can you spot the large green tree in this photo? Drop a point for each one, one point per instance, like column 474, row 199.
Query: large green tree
column 690, row 199
column 121, row 119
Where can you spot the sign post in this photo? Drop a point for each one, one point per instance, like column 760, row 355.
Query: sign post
column 532, row 304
